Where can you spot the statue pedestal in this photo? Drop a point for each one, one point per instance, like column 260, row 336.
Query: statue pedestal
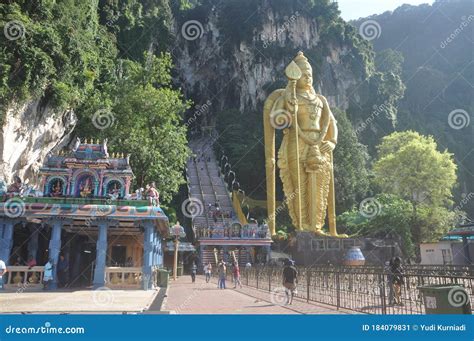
column 311, row 249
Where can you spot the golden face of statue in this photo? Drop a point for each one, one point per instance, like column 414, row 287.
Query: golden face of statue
column 306, row 80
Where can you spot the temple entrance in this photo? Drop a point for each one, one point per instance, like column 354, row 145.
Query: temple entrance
column 25, row 245
column 81, row 261
column 119, row 255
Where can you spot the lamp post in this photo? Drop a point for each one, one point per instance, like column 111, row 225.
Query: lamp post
column 178, row 232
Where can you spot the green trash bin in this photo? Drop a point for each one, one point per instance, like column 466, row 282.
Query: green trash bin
column 445, row 299
column 164, row 276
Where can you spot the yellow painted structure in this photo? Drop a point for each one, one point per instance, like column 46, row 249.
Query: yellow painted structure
column 305, row 157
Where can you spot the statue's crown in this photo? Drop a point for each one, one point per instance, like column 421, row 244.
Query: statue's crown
column 302, row 61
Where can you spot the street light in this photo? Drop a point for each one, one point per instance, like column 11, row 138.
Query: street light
column 178, row 232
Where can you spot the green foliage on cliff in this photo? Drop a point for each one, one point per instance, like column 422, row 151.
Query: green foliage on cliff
column 144, row 121
column 434, row 51
column 54, row 49
column 88, row 55
column 417, row 182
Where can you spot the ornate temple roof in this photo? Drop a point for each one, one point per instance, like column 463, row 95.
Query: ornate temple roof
column 93, row 154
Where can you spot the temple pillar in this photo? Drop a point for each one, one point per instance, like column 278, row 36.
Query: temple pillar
column 153, row 256
column 127, row 187
column 73, row 188
column 147, row 255
column 101, row 252
column 6, row 242
column 159, row 251
column 201, row 255
column 54, row 249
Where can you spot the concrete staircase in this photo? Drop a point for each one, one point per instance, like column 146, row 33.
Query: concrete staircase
column 207, row 186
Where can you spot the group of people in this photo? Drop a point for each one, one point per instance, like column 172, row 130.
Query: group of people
column 222, row 273
column 48, row 272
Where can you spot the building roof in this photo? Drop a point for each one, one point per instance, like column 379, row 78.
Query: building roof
column 35, row 209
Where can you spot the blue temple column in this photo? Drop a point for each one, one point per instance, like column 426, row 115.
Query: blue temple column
column 154, row 251
column 159, row 250
column 201, row 256
column 101, row 254
column 54, row 249
column 147, row 255
column 6, row 242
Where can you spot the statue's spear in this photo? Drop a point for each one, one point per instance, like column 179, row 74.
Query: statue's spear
column 293, row 73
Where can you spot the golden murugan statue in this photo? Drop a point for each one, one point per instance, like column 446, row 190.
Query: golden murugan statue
column 305, row 156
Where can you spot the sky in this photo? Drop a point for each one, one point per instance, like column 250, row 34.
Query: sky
column 354, row 9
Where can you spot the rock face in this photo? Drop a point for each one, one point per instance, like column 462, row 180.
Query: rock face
column 214, row 71
column 30, row 131
column 242, row 75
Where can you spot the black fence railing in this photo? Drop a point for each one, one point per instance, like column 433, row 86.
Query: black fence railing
column 363, row 289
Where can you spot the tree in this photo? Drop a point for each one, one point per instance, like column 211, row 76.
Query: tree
column 410, row 166
column 389, row 61
column 145, row 121
column 392, row 219
column 351, row 176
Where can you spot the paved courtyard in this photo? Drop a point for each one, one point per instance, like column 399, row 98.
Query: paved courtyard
column 79, row 301
column 200, row 297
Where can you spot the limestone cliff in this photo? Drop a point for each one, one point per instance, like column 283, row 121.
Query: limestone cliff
column 29, row 132
column 240, row 74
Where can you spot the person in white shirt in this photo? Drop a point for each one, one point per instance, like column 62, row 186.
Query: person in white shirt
column 208, row 271
column 3, row 271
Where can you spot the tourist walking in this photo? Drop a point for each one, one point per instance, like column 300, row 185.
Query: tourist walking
column 290, row 279
column 221, row 268
column 208, row 271
column 397, row 280
column 63, row 270
column 48, row 274
column 193, row 272
column 236, row 275
column 3, row 271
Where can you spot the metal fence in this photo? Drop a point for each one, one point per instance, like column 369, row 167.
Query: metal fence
column 363, row 289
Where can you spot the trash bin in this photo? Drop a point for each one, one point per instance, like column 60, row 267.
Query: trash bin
column 163, row 277
column 445, row 299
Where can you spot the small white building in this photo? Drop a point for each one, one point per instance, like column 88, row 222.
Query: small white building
column 439, row 253
column 447, row 252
